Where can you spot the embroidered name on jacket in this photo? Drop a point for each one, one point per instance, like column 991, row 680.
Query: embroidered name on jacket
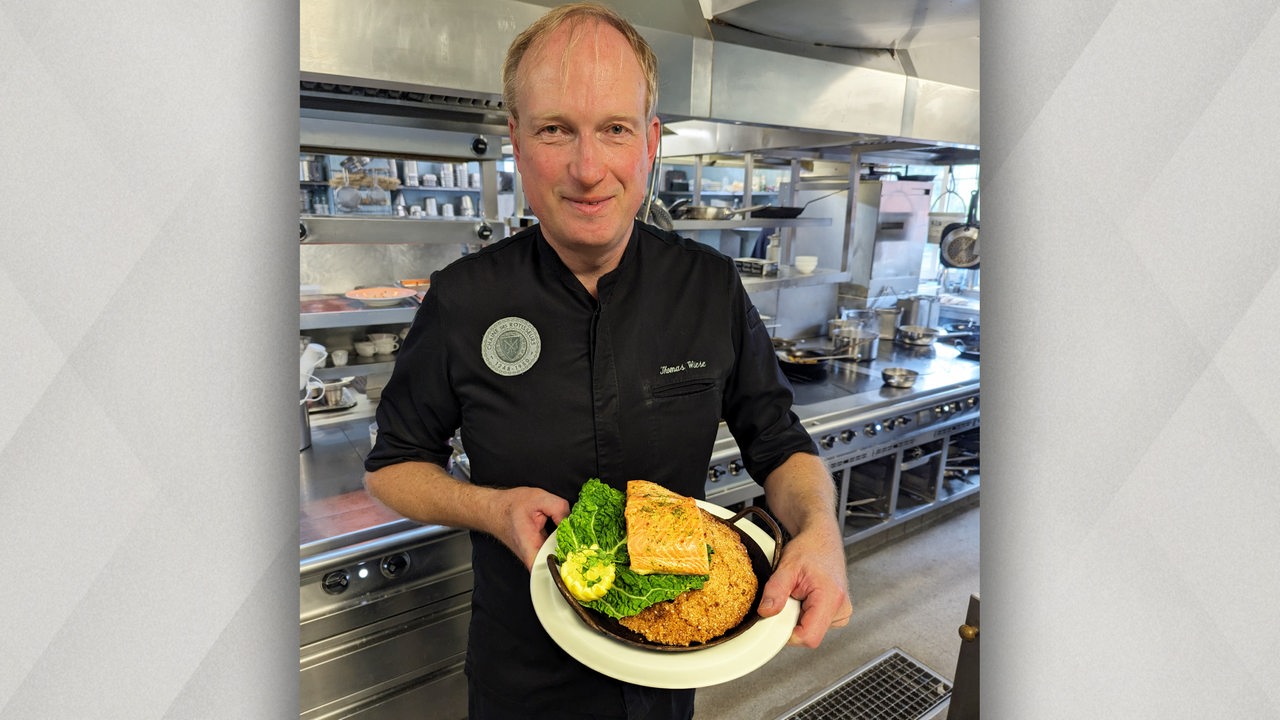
column 511, row 346
column 686, row 365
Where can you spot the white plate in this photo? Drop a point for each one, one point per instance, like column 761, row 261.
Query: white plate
column 655, row 668
column 381, row 296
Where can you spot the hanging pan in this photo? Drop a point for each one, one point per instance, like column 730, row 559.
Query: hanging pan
column 959, row 245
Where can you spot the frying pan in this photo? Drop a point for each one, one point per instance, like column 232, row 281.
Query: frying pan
column 803, row 365
column 959, row 245
column 783, row 211
column 706, row 212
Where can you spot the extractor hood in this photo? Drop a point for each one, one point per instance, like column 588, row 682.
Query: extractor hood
column 445, row 57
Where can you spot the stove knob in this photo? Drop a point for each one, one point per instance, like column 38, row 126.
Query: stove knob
column 871, row 429
column 735, row 467
column 938, row 410
column 827, row 442
column 335, row 582
column 903, row 420
column 393, row 566
column 847, row 436
column 971, row 402
column 714, row 473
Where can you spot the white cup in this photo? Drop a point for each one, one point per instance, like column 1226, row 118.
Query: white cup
column 339, row 357
column 806, row 263
column 431, row 207
column 364, row 348
column 385, row 347
column 447, row 210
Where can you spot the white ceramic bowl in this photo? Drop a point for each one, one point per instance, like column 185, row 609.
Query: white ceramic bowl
column 806, row 263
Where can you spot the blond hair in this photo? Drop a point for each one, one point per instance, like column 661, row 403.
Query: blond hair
column 576, row 15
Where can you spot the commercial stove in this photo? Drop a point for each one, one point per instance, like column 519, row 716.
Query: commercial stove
column 894, row 453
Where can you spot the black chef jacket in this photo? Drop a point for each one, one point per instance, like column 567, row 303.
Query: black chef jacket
column 551, row 387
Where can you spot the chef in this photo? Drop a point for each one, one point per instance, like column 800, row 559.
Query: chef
column 590, row 345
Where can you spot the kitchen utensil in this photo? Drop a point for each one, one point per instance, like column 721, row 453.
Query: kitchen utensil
column 708, row 666
column 382, row 296
column 916, row 335
column 377, row 194
column 959, row 245
column 806, row 263
column 782, row 211
column 311, row 358
column 803, row 365
column 887, row 318
column 683, row 211
column 333, row 394
column 919, row 310
column 858, row 345
column 899, row 377
column 761, row 564
column 346, row 197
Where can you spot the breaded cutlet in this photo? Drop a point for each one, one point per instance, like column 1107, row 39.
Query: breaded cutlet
column 701, row 615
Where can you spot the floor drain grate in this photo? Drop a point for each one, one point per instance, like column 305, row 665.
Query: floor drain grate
column 893, row 686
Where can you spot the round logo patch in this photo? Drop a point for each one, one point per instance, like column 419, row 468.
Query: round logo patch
column 511, row 346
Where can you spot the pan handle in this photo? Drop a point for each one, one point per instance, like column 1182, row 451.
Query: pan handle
column 972, row 220
column 833, row 192
column 773, row 529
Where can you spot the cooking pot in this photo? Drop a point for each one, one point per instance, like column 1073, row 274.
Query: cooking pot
column 919, row 310
column 858, row 345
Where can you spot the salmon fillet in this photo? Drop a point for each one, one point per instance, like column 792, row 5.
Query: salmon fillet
column 665, row 532
column 698, row 616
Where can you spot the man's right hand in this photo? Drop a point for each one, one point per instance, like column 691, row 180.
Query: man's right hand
column 525, row 512
column 425, row 493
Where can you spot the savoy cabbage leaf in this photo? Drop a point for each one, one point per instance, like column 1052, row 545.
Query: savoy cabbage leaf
column 597, row 518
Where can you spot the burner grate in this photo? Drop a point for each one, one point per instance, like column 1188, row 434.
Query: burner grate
column 893, row 686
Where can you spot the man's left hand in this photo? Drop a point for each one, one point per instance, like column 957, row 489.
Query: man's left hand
column 812, row 570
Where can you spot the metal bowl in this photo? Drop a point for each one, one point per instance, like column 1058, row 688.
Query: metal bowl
column 916, row 335
column 899, row 377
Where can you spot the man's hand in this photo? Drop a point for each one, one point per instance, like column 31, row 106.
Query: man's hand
column 801, row 495
column 425, row 493
column 812, row 570
column 524, row 515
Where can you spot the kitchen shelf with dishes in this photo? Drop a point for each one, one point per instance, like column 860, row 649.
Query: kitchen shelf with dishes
column 386, row 186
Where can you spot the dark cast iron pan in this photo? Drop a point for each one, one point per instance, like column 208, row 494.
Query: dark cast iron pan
column 761, row 564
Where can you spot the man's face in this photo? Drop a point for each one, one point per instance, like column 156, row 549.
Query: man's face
column 583, row 143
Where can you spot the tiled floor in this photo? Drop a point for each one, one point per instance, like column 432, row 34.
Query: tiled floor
column 910, row 592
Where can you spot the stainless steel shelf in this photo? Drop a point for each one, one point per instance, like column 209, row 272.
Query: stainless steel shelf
column 358, row 366
column 339, row 230
column 401, row 314
column 750, row 223
column 788, row 277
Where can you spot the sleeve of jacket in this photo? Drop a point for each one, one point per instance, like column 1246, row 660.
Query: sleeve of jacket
column 758, row 397
column 418, row 412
